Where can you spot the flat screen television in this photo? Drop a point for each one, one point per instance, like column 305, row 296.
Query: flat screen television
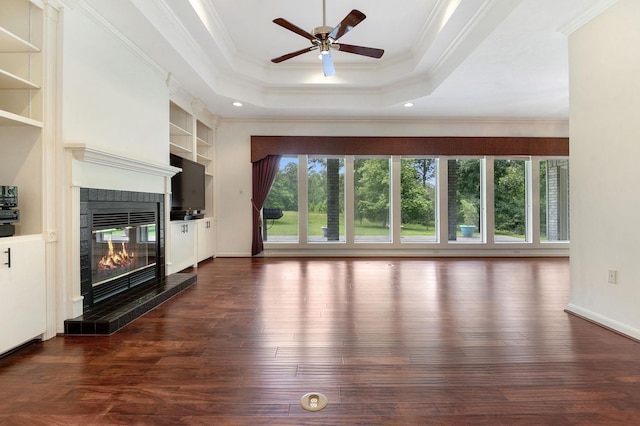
column 187, row 189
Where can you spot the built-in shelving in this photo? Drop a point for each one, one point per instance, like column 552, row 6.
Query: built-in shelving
column 183, row 141
column 23, row 163
column 204, row 145
column 22, row 24
column 191, row 136
column 180, row 131
column 20, row 64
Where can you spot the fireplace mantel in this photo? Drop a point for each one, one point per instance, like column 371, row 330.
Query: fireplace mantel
column 81, row 152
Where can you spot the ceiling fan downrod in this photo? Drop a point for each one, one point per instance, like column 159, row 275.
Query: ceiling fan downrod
column 324, row 13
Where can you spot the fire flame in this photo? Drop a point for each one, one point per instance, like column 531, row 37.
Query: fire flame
column 115, row 260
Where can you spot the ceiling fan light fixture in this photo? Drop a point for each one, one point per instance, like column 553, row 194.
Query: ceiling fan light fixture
column 325, row 38
column 325, row 45
column 408, row 104
column 237, row 104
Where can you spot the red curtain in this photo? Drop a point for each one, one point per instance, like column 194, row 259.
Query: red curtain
column 264, row 173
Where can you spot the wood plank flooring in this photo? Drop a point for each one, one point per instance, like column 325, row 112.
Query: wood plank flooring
column 387, row 341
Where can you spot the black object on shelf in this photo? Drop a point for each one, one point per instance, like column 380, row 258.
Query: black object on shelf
column 9, row 214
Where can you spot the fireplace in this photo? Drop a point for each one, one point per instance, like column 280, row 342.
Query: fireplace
column 121, row 242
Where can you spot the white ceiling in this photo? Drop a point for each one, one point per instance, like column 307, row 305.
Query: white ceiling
column 471, row 59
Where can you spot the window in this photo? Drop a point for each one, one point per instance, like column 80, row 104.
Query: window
column 465, row 191
column 400, row 201
column 554, row 200
column 372, row 187
column 510, row 200
column 283, row 196
column 418, row 200
column 325, row 199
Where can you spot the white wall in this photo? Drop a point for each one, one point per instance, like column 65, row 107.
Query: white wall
column 116, row 103
column 233, row 158
column 605, row 143
column 113, row 99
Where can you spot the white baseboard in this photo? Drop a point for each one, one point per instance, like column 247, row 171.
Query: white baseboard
column 604, row 321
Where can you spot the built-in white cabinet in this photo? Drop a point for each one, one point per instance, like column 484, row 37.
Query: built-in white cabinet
column 28, row 114
column 206, row 238
column 22, row 290
column 22, row 145
column 192, row 136
column 192, row 241
column 183, row 245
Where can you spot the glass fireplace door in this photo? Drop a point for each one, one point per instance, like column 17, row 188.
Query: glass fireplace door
column 122, row 250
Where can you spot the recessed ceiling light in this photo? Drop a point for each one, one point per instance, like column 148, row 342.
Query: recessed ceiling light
column 408, row 104
column 237, row 104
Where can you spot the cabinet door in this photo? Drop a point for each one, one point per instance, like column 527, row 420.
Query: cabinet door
column 22, row 291
column 205, row 239
column 183, row 248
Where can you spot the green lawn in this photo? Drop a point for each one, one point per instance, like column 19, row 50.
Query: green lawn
column 287, row 225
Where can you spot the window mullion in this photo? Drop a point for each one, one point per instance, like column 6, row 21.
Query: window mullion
column 487, row 199
column 303, row 206
column 349, row 199
column 442, row 217
column 394, row 199
column 534, row 199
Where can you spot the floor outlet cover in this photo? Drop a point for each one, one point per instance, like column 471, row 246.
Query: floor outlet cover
column 313, row 401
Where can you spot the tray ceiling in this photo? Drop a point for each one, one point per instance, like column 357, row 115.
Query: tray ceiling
column 470, row 59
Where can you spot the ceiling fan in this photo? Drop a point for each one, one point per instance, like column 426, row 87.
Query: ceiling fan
column 325, row 38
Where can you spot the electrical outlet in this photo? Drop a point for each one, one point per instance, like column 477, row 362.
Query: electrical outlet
column 613, row 276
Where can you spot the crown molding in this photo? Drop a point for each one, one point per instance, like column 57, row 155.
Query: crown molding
column 583, row 19
column 113, row 31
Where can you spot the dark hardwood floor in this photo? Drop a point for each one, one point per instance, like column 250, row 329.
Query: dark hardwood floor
column 387, row 341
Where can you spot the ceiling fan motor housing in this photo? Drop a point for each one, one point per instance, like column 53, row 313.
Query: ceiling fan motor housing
column 318, row 31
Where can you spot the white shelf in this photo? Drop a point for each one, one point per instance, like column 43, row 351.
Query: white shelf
column 175, row 130
column 174, row 148
column 11, row 43
column 10, row 81
column 11, row 119
column 203, row 143
column 203, row 160
column 180, row 121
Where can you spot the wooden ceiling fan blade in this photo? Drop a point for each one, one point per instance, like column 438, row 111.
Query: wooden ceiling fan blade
column 327, row 64
column 293, row 54
column 296, row 29
column 351, row 20
column 360, row 50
